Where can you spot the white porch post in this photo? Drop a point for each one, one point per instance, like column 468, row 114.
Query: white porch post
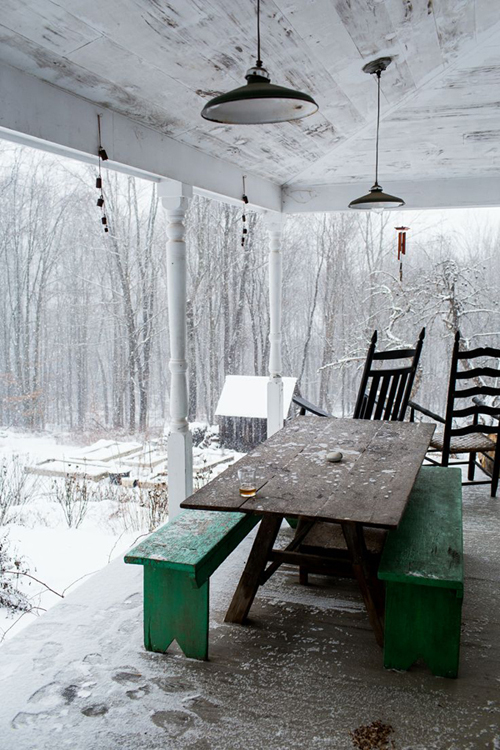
column 174, row 197
column 275, row 385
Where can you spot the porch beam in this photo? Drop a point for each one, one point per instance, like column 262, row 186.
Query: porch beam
column 455, row 192
column 174, row 197
column 40, row 115
column 275, row 385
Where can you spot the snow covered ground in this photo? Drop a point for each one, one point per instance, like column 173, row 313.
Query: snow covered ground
column 58, row 556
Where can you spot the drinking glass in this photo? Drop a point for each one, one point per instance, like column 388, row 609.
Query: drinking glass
column 248, row 484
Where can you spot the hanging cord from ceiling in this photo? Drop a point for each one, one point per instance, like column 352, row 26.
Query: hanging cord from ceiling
column 378, row 74
column 259, row 61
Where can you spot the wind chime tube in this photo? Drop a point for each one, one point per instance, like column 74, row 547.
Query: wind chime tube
column 401, row 247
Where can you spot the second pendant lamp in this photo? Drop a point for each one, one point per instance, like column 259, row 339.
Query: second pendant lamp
column 376, row 198
column 259, row 101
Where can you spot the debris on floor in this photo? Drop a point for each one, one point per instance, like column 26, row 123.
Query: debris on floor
column 374, row 736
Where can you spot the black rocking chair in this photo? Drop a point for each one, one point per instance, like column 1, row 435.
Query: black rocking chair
column 453, row 439
column 384, row 392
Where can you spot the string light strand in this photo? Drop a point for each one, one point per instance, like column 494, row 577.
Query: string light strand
column 244, row 198
column 102, row 155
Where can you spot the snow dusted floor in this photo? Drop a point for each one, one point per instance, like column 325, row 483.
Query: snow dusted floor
column 303, row 674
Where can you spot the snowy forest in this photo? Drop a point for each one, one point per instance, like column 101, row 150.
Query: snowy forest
column 84, row 322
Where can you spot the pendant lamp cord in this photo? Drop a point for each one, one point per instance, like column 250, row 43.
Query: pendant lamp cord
column 259, row 61
column 378, row 127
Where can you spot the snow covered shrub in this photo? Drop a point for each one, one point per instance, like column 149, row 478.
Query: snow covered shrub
column 137, row 509
column 156, row 502
column 11, row 568
column 198, row 432
column 128, row 509
column 14, row 488
column 204, row 435
column 73, row 497
column 201, row 477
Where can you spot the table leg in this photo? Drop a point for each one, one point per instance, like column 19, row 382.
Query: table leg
column 303, row 574
column 256, row 563
column 368, row 583
column 303, row 528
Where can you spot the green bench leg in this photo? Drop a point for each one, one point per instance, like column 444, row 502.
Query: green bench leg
column 422, row 622
column 174, row 609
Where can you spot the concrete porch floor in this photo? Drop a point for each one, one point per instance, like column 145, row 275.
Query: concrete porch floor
column 305, row 672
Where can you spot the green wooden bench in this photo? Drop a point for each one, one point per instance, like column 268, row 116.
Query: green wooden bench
column 422, row 565
column 178, row 560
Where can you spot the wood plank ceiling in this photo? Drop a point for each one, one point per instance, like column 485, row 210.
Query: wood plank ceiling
column 158, row 62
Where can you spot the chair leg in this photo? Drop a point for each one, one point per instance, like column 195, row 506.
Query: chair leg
column 472, row 466
column 496, row 471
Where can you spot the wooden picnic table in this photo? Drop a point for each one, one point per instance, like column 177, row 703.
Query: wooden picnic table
column 370, row 487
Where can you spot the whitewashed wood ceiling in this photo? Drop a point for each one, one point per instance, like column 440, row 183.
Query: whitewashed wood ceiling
column 158, row 62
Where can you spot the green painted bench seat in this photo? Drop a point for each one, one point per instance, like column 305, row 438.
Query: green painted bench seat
column 178, row 560
column 422, row 566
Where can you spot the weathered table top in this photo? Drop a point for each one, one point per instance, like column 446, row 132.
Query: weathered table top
column 371, row 485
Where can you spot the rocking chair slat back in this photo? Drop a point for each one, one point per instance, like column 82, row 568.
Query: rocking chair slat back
column 475, row 372
column 384, row 392
column 402, row 396
column 395, row 354
column 479, row 372
column 469, row 436
column 471, row 411
column 473, row 429
column 391, row 397
column 478, row 390
column 481, row 351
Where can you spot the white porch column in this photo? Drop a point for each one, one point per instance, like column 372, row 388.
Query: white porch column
column 174, row 197
column 275, row 385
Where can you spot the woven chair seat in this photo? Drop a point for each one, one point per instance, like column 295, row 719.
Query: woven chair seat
column 463, row 443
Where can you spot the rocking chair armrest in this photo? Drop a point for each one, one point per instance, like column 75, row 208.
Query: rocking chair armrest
column 416, row 407
column 306, row 405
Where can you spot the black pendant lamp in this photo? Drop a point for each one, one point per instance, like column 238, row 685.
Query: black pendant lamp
column 376, row 198
column 259, row 101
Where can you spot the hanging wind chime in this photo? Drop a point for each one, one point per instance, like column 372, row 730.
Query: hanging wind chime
column 244, row 230
column 401, row 247
column 98, row 183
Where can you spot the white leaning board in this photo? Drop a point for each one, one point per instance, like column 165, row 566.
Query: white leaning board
column 246, row 396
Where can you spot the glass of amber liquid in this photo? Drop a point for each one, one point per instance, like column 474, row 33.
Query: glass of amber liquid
column 248, row 484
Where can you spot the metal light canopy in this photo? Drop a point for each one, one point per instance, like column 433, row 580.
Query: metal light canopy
column 259, row 101
column 376, row 199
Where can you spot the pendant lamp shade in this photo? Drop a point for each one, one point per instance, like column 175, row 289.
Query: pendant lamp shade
column 259, row 101
column 376, row 199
